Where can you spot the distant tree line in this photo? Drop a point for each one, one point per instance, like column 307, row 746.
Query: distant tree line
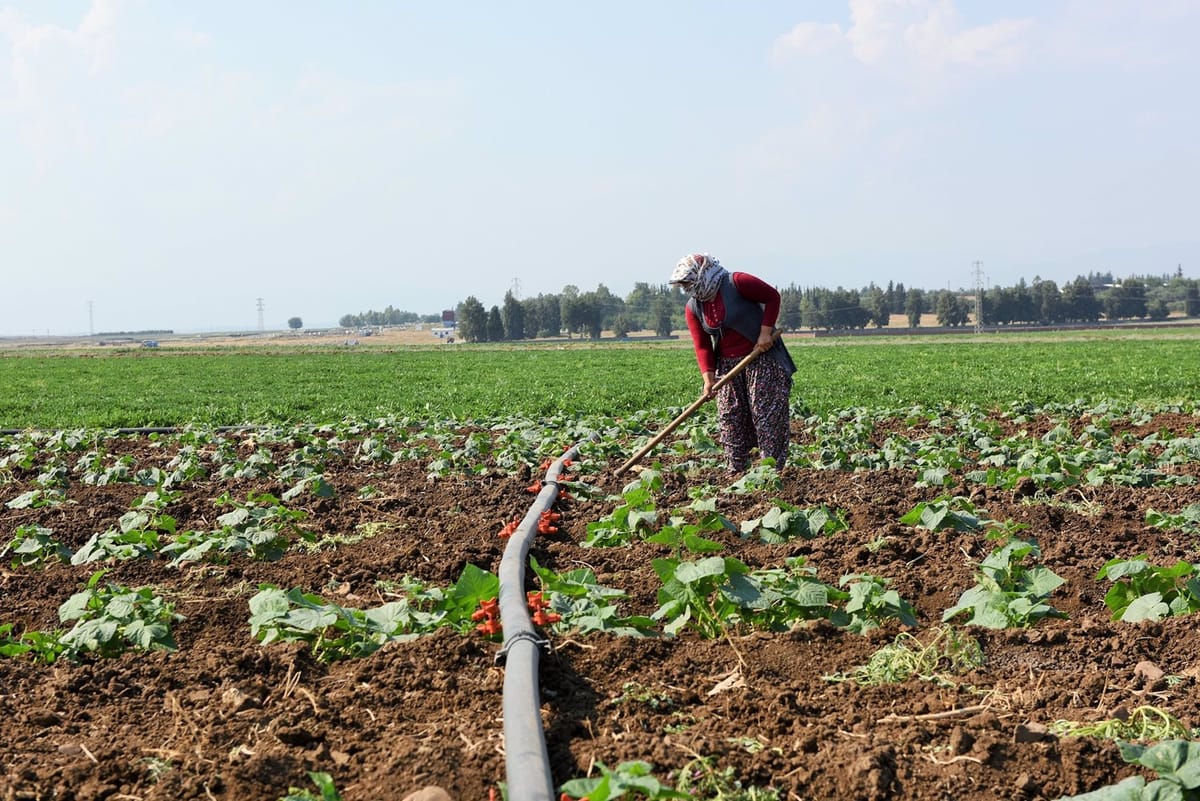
column 1091, row 298
column 143, row 332
column 1086, row 299
column 659, row 307
column 573, row 313
column 388, row 316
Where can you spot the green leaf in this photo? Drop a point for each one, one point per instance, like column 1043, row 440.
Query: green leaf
column 811, row 594
column 234, row 519
column 148, row 636
column 691, row 572
column 1178, row 570
column 1116, row 569
column 76, row 606
column 665, row 569
column 270, row 603
column 642, row 519
column 387, row 619
column 1146, row 607
column 24, row 500
column 1175, row 760
column 1042, row 581
column 474, row 585
column 698, row 544
column 596, row 789
column 1129, row 789
column 121, row 606
column 324, row 783
column 310, row 619
column 1119, row 597
column 746, row 592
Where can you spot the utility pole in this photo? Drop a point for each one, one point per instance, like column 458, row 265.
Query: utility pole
column 516, row 288
column 978, row 265
column 260, row 314
column 91, row 321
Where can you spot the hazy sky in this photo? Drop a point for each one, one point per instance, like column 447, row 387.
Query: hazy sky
column 169, row 163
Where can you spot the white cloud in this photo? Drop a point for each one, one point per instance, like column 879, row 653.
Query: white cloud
column 40, row 49
column 95, row 32
column 809, row 38
column 872, row 32
column 940, row 39
column 930, row 34
column 51, row 76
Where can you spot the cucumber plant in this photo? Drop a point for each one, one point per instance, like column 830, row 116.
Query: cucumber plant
column 1142, row 591
column 1008, row 594
column 784, row 522
column 110, row 619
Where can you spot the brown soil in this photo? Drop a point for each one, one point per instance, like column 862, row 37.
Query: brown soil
column 226, row 718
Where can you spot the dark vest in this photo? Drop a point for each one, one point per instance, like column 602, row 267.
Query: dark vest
column 743, row 316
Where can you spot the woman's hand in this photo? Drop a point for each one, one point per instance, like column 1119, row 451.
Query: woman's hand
column 710, row 378
column 766, row 338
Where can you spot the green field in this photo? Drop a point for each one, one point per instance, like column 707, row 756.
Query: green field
column 231, row 387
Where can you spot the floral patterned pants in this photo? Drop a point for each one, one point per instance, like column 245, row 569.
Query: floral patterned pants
column 752, row 411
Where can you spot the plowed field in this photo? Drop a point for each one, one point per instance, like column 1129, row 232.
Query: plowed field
column 224, row 717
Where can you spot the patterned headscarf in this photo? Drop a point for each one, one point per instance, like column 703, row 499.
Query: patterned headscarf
column 700, row 275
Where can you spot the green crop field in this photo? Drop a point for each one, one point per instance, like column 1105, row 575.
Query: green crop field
column 232, row 387
column 986, row 503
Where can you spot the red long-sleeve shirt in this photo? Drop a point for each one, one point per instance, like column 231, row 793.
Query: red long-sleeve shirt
column 732, row 345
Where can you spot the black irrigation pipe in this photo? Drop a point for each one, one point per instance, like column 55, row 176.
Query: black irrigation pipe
column 526, row 760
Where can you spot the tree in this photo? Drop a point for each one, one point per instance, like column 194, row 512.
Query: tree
column 639, row 305
column 845, row 310
column 566, row 300
column 1191, row 301
column 790, row 301
column 620, row 327
column 1126, row 300
column 1049, row 302
column 472, row 320
column 495, row 325
column 812, row 316
column 1080, row 304
column 664, row 315
column 1003, row 306
column 533, row 317
column 608, row 306
column 879, row 307
column 295, row 323
column 951, row 309
column 549, row 315
column 914, row 307
column 513, row 318
column 587, row 315
column 1026, row 306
